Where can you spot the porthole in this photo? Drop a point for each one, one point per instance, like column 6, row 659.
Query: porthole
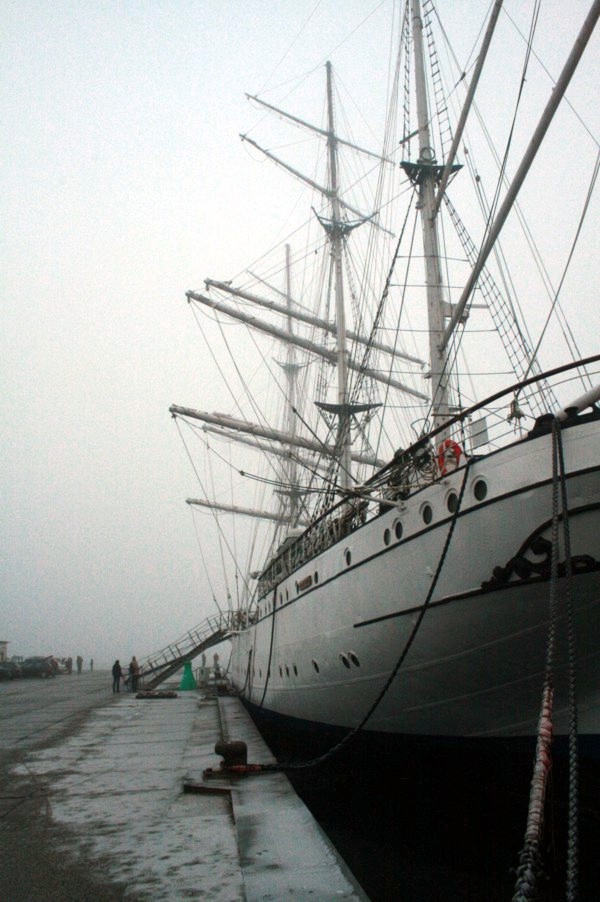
column 287, row 670
column 480, row 489
column 280, row 671
column 387, row 537
column 316, row 578
column 260, row 673
column 344, row 660
column 452, row 502
column 427, row 513
column 348, row 557
column 280, row 598
column 287, row 595
column 295, row 670
column 398, row 530
column 354, row 658
column 315, row 665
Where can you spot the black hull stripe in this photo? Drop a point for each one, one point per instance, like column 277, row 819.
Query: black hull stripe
column 440, row 523
column 472, row 593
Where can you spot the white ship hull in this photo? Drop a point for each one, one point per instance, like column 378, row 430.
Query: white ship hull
column 476, row 666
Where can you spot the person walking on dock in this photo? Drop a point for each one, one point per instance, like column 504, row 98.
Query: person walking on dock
column 91, row 663
column 134, row 674
column 79, row 663
column 117, row 674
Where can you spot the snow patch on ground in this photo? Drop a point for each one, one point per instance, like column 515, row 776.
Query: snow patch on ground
column 116, row 788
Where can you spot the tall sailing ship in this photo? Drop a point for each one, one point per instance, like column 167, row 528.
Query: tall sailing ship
column 434, row 538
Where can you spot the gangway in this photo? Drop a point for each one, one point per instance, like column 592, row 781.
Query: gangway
column 163, row 664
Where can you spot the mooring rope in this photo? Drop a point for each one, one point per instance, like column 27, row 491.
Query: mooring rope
column 346, row 739
column 268, row 674
column 530, row 859
column 572, row 884
column 247, row 671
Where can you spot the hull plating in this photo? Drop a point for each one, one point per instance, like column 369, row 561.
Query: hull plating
column 322, row 648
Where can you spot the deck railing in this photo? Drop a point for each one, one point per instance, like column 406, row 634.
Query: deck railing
column 507, row 416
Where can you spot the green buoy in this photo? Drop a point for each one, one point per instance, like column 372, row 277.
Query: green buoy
column 187, row 680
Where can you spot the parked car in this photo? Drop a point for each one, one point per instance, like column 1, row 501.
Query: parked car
column 37, row 667
column 16, row 668
column 9, row 670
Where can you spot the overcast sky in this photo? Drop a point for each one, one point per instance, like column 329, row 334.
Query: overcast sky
column 124, row 185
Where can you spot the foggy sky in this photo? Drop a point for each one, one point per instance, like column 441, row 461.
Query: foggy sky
column 125, row 184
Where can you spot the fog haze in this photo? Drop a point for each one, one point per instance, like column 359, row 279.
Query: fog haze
column 124, row 185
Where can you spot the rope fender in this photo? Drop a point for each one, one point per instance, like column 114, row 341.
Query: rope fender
column 530, row 859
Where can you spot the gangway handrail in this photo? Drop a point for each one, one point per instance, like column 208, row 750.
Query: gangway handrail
column 174, row 655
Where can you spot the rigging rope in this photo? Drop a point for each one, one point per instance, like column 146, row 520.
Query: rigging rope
column 216, row 519
column 487, row 212
column 568, row 263
column 202, row 558
column 496, row 199
column 532, row 244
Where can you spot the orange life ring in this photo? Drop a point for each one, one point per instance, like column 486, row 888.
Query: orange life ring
column 449, row 454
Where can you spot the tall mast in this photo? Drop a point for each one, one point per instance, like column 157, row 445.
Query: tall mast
column 335, row 229
column 335, row 237
column 291, row 372
column 426, row 179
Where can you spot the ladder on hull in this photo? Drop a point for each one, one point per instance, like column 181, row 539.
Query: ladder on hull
column 163, row 664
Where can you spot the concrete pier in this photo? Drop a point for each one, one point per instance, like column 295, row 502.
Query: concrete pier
column 92, row 802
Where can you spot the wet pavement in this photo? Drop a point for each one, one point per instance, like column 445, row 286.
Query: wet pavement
column 92, row 802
